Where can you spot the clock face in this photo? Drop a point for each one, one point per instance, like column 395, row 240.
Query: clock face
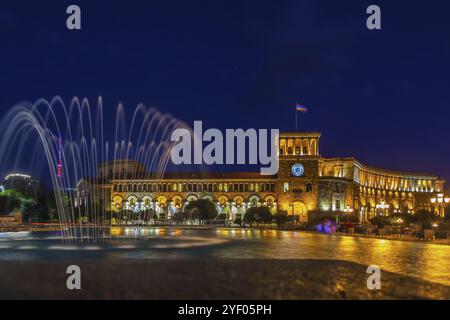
column 297, row 170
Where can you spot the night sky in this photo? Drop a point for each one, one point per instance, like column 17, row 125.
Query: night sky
column 380, row 96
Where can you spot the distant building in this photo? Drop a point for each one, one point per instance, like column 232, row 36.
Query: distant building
column 25, row 184
column 305, row 186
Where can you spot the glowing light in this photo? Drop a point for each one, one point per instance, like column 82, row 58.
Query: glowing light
column 21, row 175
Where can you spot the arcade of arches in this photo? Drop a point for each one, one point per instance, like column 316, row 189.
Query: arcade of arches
column 233, row 206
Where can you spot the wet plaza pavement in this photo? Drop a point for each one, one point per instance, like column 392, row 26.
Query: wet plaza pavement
column 289, row 265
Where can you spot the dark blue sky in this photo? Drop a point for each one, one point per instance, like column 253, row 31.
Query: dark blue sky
column 380, row 96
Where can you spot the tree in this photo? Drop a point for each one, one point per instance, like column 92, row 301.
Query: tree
column 250, row 217
column 35, row 210
column 256, row 214
column 380, row 221
column 10, row 200
column 426, row 225
column 423, row 216
column 265, row 214
column 178, row 216
column 202, row 209
column 281, row 218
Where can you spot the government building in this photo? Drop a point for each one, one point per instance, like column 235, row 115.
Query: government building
column 307, row 186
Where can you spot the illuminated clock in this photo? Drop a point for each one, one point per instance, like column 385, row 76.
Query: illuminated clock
column 297, row 170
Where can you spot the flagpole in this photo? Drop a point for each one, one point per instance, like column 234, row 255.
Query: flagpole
column 296, row 112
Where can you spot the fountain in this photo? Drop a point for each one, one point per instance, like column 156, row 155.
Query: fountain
column 70, row 141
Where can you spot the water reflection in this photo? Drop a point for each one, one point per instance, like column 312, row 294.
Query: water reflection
column 424, row 260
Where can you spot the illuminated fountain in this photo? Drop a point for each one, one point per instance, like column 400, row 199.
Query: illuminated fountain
column 70, row 141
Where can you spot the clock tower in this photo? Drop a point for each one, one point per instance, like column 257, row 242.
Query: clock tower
column 298, row 174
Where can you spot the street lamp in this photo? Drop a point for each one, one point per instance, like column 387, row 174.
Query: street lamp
column 440, row 202
column 348, row 211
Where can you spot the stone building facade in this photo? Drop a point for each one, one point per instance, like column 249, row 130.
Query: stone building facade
column 307, row 185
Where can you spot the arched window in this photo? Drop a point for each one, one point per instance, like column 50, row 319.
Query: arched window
column 309, row 187
column 338, row 205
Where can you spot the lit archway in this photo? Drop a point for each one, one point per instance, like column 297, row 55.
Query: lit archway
column 132, row 201
column 238, row 200
column 253, row 200
column 406, row 206
column 270, row 203
column 162, row 201
column 191, row 198
column 116, row 203
column 207, row 197
column 300, row 209
column 147, row 202
column 177, row 201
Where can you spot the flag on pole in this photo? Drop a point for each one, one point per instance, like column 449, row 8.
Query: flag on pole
column 300, row 108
